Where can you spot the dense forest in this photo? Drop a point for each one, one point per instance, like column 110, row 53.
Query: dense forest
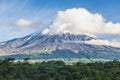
column 58, row 70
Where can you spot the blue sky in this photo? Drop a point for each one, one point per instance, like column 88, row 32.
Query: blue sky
column 44, row 11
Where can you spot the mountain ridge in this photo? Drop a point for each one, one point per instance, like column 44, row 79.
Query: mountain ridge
column 62, row 45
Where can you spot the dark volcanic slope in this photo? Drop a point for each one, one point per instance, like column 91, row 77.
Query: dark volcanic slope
column 63, row 45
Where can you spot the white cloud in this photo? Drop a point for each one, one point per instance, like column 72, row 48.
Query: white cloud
column 26, row 23
column 103, row 42
column 23, row 22
column 45, row 31
column 79, row 20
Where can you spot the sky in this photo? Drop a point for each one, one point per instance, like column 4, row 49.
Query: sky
column 23, row 17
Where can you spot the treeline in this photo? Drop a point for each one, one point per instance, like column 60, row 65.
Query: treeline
column 58, row 70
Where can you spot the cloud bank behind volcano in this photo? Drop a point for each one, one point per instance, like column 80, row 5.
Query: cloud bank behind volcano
column 79, row 21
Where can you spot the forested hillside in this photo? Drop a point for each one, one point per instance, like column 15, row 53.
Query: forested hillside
column 58, row 70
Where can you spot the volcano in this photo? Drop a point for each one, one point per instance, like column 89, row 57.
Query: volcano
column 37, row 46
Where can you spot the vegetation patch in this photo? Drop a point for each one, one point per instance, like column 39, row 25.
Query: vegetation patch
column 58, row 70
